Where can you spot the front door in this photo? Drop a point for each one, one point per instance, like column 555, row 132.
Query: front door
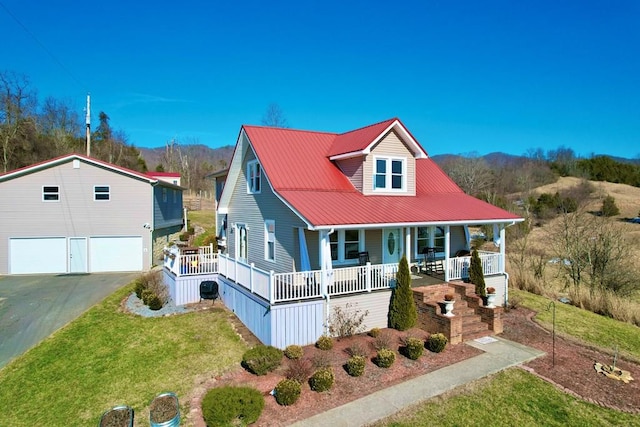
column 77, row 254
column 391, row 246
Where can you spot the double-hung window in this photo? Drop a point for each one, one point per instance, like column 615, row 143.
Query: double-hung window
column 389, row 174
column 101, row 192
column 50, row 193
column 270, row 240
column 345, row 245
column 429, row 237
column 254, row 175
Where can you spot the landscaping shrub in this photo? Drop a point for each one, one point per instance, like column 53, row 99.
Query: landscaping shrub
column 357, row 349
column 262, row 359
column 346, row 322
column 146, row 296
column 385, row 358
column 476, row 274
column 294, row 352
column 184, row 237
column 402, row 308
column 383, row 340
column 324, row 343
column 322, row 380
column 139, row 286
column 232, row 405
column 374, row 332
column 355, row 365
column 437, row 342
column 321, row 360
column 287, row 392
column 154, row 302
column 413, row 348
column 191, row 230
column 299, row 370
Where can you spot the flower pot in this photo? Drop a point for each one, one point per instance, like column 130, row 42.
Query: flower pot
column 490, row 303
column 448, row 308
column 118, row 416
column 164, row 411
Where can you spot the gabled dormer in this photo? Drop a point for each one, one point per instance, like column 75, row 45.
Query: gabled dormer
column 379, row 159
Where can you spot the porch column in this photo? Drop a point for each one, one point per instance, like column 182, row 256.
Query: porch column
column 407, row 244
column 447, row 245
column 502, row 249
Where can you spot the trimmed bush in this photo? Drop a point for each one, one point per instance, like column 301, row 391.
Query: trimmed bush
column 146, row 296
column 228, row 405
column 154, row 302
column 476, row 275
column 139, row 287
column 184, row 237
column 355, row 366
column 299, row 370
column 402, row 308
column 385, row 358
column 437, row 342
column 374, row 332
column 287, row 392
column 324, row 343
column 413, row 348
column 262, row 359
column 294, row 352
column 322, row 380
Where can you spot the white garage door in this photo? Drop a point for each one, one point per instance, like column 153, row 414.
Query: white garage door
column 115, row 254
column 38, row 255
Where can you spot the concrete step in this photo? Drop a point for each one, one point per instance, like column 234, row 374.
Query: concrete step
column 468, row 336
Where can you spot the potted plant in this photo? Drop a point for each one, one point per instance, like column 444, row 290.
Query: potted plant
column 491, row 297
column 118, row 416
column 164, row 410
column 448, row 305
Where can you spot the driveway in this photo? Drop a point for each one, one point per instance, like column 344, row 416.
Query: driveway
column 33, row 307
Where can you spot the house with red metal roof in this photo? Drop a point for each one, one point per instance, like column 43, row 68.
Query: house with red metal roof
column 313, row 220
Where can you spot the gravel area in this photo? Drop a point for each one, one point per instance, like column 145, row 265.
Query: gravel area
column 136, row 306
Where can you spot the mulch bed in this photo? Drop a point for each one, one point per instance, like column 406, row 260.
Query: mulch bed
column 573, row 370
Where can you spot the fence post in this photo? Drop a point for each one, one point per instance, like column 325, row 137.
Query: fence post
column 251, row 266
column 272, row 290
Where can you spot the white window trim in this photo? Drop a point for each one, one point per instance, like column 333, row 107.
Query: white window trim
column 51, row 193
column 431, row 242
column 389, row 175
column 342, row 260
column 254, row 166
column 267, row 223
column 95, row 193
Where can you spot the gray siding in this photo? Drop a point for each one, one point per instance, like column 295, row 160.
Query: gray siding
column 390, row 145
column 499, row 282
column 373, row 245
column 352, row 169
column 166, row 213
column 252, row 210
column 23, row 213
column 458, row 241
column 375, row 303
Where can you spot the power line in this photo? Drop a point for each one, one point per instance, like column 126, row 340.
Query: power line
column 33, row 36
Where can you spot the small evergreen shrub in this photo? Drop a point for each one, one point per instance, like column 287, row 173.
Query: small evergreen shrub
column 609, row 207
column 191, row 230
column 287, row 392
column 385, row 358
column 232, row 405
column 146, row 296
column 262, row 359
column 437, row 342
column 413, row 348
column 402, row 308
column 374, row 332
column 324, row 343
column 322, row 380
column 383, row 340
column 139, row 286
column 294, row 352
column 154, row 302
column 355, row 366
column 299, row 370
column 476, row 274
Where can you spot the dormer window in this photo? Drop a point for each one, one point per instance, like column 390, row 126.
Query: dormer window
column 253, row 177
column 389, row 174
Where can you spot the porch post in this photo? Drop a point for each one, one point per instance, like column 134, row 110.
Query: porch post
column 407, row 244
column 502, row 249
column 447, row 246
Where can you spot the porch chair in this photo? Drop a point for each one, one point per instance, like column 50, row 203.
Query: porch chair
column 209, row 290
column 431, row 264
column 363, row 258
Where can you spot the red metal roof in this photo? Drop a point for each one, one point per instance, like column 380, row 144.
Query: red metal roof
column 297, row 165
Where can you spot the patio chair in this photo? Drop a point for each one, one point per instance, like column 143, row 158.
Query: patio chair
column 209, row 290
column 363, row 258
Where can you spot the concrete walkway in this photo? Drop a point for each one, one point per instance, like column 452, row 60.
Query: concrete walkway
column 498, row 355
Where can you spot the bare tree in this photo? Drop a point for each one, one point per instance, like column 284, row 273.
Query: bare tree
column 61, row 124
column 471, row 173
column 274, row 116
column 17, row 103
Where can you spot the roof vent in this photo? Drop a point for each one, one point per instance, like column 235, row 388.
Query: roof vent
column 76, row 164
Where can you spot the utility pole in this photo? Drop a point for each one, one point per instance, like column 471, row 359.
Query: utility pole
column 88, row 122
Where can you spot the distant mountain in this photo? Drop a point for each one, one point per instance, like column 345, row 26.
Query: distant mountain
column 496, row 159
column 219, row 157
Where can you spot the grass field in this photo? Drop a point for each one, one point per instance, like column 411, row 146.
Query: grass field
column 108, row 357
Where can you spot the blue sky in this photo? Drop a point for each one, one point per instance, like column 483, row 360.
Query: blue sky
column 463, row 76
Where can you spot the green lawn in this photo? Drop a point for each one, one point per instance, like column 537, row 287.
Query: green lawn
column 509, row 398
column 205, row 219
column 107, row 357
column 603, row 332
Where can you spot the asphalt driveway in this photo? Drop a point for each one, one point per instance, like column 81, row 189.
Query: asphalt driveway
column 33, row 307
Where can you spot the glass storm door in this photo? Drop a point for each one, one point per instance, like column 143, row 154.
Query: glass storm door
column 241, row 243
column 391, row 246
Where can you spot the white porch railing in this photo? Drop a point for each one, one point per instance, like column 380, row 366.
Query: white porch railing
column 205, row 261
column 459, row 266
